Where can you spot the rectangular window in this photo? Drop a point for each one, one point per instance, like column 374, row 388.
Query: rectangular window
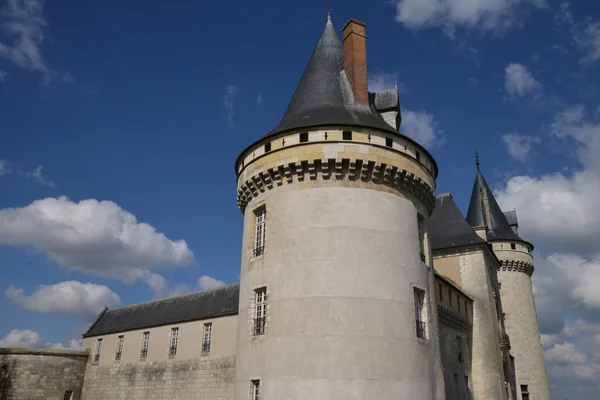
column 261, row 232
column 145, row 344
column 459, row 345
column 255, row 386
column 347, row 135
column 120, row 342
column 173, row 341
column 420, row 312
column 267, row 147
column 389, row 142
column 418, row 155
column 68, row 395
column 97, row 351
column 441, row 292
column 466, row 307
column 450, row 297
column 421, row 224
column 513, row 246
column 260, row 310
column 458, row 302
column 304, row 137
column 207, row 338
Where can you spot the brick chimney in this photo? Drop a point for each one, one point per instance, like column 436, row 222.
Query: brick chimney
column 355, row 59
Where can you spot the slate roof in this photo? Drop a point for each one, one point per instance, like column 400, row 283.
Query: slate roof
column 188, row 307
column 500, row 228
column 324, row 95
column 448, row 227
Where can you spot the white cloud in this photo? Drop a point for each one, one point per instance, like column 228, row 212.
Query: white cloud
column 20, row 338
column 259, row 99
column 380, row 81
column 519, row 146
column 518, row 81
column 565, row 353
column 36, row 175
column 422, row 127
column 483, row 15
column 589, row 41
column 97, row 237
column 69, row 297
column 207, row 282
column 231, row 93
column 73, row 344
column 4, row 167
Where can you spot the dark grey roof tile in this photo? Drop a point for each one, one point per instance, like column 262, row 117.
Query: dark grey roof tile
column 448, row 227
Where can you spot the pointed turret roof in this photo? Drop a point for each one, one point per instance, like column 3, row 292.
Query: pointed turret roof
column 499, row 228
column 448, row 227
column 324, row 95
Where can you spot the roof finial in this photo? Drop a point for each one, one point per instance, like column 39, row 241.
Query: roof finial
column 477, row 158
column 329, row 10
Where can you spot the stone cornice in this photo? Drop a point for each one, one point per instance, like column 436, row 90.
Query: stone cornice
column 454, row 320
column 516, row 265
column 347, row 170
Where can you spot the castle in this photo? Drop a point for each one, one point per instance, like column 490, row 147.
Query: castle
column 356, row 281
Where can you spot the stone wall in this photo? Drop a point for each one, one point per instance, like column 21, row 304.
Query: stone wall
column 197, row 378
column 32, row 374
column 455, row 344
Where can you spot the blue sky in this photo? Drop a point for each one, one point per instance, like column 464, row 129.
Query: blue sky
column 121, row 121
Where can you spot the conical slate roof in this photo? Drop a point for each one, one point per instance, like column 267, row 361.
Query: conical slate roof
column 500, row 228
column 324, row 95
column 448, row 227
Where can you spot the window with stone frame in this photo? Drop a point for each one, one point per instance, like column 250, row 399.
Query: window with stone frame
column 173, row 342
column 525, row 392
column 255, row 389
column 260, row 311
column 420, row 313
column 260, row 234
column 120, row 343
column 421, row 227
column 207, row 338
column 68, row 395
column 145, row 345
column 98, row 350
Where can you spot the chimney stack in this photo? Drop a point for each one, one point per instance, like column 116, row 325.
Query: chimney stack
column 355, row 59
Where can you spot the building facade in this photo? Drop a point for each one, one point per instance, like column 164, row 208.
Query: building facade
column 356, row 282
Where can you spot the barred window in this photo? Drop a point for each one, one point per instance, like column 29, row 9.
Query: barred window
column 173, row 341
column 145, row 344
column 206, row 341
column 119, row 352
column 260, row 310
column 68, row 395
column 419, row 295
column 97, row 351
column 255, row 389
column 260, row 234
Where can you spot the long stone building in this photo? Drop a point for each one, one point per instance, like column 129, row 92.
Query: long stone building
column 356, row 281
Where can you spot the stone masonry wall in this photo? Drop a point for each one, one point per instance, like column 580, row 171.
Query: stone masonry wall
column 196, row 378
column 40, row 374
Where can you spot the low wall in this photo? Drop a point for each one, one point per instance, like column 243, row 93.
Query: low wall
column 32, row 374
column 195, row 378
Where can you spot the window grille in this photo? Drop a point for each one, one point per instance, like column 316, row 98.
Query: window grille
column 119, row 353
column 97, row 351
column 255, row 390
column 206, row 341
column 421, row 224
column 145, row 344
column 259, row 241
column 173, row 341
column 419, row 295
column 68, row 395
column 260, row 313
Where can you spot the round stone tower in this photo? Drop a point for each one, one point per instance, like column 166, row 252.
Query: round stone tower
column 516, row 293
column 335, row 273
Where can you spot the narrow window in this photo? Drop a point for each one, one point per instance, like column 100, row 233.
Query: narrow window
column 458, row 302
column 260, row 234
column 450, row 297
column 206, row 341
column 524, row 392
column 304, row 137
column 267, row 147
column 421, row 224
column 459, row 345
column 440, row 291
column 120, row 342
column 389, row 142
column 418, row 156
column 260, row 311
column 97, row 351
column 513, row 246
column 347, row 135
column 255, row 384
column 145, row 344
column 420, row 312
column 466, row 308
column 173, row 342
column 68, row 395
